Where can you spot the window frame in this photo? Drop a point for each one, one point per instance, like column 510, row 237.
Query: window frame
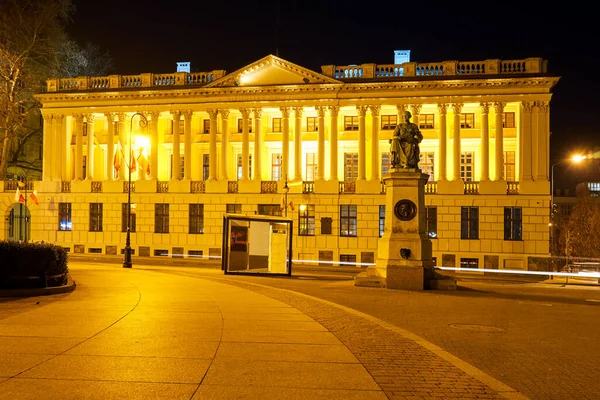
column 206, row 126
column 312, row 124
column 161, row 218
column 507, row 165
column 311, row 165
column 431, row 222
column 350, row 168
column 269, row 209
column 426, row 121
column 467, row 120
column 196, row 218
column 277, row 127
column 467, row 170
column 386, row 122
column 96, row 211
column 306, row 220
column 508, row 120
column 426, row 166
column 235, row 207
column 276, row 167
column 381, row 220
column 240, row 125
column 133, row 222
column 348, row 220
column 65, row 216
column 513, row 224
column 350, row 122
column 469, row 223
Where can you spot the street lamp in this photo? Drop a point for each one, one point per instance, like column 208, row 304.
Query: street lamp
column 574, row 159
column 143, row 124
column 286, row 190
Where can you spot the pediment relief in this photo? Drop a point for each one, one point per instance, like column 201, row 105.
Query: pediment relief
column 271, row 71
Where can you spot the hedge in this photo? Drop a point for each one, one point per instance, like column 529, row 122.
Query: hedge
column 32, row 265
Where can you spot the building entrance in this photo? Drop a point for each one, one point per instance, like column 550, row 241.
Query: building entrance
column 19, row 223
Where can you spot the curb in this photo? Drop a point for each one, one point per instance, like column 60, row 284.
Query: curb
column 69, row 287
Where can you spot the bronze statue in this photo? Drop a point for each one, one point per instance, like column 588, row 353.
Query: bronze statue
column 404, row 144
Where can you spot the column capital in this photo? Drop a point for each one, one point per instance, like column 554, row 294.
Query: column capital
column 78, row 118
column 362, row 110
column 542, row 106
column 176, row 114
column 484, row 107
column 285, row 112
column 187, row 114
column 212, row 113
column 298, row 111
column 416, row 108
column 442, row 108
column 154, row 115
column 457, row 108
column 321, row 111
column 47, row 117
column 527, row 106
column 334, row 110
column 225, row 114
column 122, row 117
column 499, row 107
column 401, row 108
column 245, row 113
column 89, row 118
column 59, row 117
column 257, row 113
column 110, row 116
column 375, row 110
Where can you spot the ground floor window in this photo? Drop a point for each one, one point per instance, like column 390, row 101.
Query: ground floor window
column 469, row 262
column 161, row 218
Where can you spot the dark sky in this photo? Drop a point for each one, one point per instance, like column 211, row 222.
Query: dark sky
column 144, row 36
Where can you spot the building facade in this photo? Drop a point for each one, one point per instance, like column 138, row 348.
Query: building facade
column 277, row 138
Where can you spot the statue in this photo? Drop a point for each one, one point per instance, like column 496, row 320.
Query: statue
column 404, row 144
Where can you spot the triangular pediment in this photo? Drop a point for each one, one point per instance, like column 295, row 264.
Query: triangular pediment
column 271, row 71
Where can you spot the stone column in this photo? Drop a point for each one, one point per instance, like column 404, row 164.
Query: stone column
column 415, row 110
column 175, row 166
column 121, row 148
column 525, row 153
column 90, row 147
column 57, row 142
column 543, row 140
column 110, row 146
column 298, row 143
column 321, row 144
column 78, row 147
column 212, row 160
column 245, row 144
column 443, row 140
column 333, row 142
column 362, row 110
column 224, row 144
column 375, row 142
column 47, row 148
column 457, row 108
column 499, row 157
column 154, row 144
column 485, row 142
column 187, row 144
column 285, row 142
column 65, row 151
column 257, row 144
column 401, row 108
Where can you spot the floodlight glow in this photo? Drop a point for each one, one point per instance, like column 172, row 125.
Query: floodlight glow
column 578, row 158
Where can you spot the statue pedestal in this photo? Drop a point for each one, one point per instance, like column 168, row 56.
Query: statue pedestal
column 404, row 251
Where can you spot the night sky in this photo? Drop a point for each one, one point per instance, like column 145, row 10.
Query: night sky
column 144, row 36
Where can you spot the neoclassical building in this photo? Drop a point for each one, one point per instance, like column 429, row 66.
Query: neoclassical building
column 277, row 138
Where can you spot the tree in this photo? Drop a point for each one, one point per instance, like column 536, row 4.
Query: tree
column 582, row 237
column 34, row 46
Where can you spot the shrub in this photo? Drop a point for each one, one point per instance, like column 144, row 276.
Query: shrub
column 29, row 265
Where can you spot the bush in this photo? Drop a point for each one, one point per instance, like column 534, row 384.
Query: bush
column 32, row 265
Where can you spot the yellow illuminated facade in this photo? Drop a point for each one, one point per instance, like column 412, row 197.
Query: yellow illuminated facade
column 221, row 142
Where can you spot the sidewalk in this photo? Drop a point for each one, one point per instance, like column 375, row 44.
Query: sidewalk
column 162, row 334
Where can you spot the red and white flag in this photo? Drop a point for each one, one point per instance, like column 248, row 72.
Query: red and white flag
column 118, row 158
column 292, row 206
column 283, row 205
column 132, row 163
column 144, row 164
column 34, row 198
column 19, row 198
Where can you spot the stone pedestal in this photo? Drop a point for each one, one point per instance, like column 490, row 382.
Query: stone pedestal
column 404, row 251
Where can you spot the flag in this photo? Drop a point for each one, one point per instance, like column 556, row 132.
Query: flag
column 132, row 164
column 282, row 207
column 144, row 165
column 291, row 205
column 118, row 159
column 19, row 197
column 34, row 198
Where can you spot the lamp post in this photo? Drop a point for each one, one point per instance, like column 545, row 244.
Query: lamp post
column 575, row 159
column 286, row 189
column 143, row 124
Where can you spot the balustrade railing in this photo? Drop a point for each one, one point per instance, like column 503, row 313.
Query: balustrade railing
column 99, row 82
column 198, row 187
column 65, row 187
column 470, row 68
column 232, row 187
column 383, row 189
column 429, row 69
column 162, row 187
column 308, row 187
column 9, row 186
column 471, row 187
column 126, row 187
column 431, row 187
column 347, row 187
column 96, row 187
column 512, row 187
column 268, row 186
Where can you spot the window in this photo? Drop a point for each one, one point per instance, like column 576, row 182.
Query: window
column 181, row 165
column 269, row 209
column 206, row 126
column 306, row 220
column 389, row 122
column 161, row 218
column 85, row 129
column 311, row 166
column 508, row 120
column 95, row 217
column 466, row 166
column 239, row 166
column 347, row 220
column 64, row 217
column 196, row 218
column 385, row 163
column 381, row 220
column 276, row 167
column 132, row 225
column 233, row 209
column 509, row 166
column 469, row 222
column 181, row 126
column 350, row 166
column 467, row 120
column 249, row 125
column 350, row 123
column 513, row 223
column 205, row 166
column 348, row 260
column 469, row 262
column 426, row 163
column 84, row 166
column 431, row 215
column 312, row 124
column 426, row 121
column 276, row 124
